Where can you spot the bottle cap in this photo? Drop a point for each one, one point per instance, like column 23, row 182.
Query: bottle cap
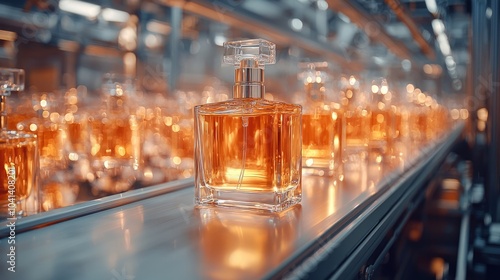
column 253, row 53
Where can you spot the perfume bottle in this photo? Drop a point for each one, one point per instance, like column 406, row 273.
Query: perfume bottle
column 248, row 149
column 357, row 116
column 322, row 121
column 18, row 157
column 382, row 124
column 48, row 127
column 115, row 139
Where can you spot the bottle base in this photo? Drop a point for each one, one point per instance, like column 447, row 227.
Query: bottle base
column 264, row 201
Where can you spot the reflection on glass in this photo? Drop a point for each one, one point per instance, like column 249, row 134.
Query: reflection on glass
column 245, row 243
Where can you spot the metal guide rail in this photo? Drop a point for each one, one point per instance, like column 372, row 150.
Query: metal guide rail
column 157, row 233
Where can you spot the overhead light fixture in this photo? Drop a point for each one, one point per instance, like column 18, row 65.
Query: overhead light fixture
column 432, row 6
column 437, row 26
column 322, row 5
column 296, row 24
column 113, row 15
column 344, row 18
column 85, row 9
column 158, row 27
column 219, row 39
column 444, row 45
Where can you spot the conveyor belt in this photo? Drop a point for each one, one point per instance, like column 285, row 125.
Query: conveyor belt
column 158, row 234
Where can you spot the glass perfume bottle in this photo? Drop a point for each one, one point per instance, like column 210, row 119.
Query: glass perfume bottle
column 322, row 121
column 248, row 149
column 382, row 124
column 115, row 139
column 18, row 157
column 357, row 116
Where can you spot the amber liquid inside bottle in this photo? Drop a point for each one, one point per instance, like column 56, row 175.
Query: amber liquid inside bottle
column 322, row 140
column 19, row 162
column 418, row 126
column 357, row 129
column 50, row 144
column 250, row 152
column 112, row 138
column 114, row 152
column 76, row 132
column 247, row 146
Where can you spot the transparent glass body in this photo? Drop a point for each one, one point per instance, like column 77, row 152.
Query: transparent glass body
column 115, row 141
column 248, row 150
column 382, row 123
column 18, row 157
column 50, row 135
column 357, row 117
column 322, row 122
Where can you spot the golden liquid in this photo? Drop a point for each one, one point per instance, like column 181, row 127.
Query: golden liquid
column 381, row 125
column 50, row 144
column 49, row 137
column 14, row 118
column 322, row 140
column 18, row 157
column 401, row 125
column 180, row 134
column 115, row 138
column 418, row 126
column 250, row 152
column 77, row 136
column 357, row 131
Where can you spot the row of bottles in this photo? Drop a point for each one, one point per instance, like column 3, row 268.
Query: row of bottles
column 351, row 119
column 248, row 151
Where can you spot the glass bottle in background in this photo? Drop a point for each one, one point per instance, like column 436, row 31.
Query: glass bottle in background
column 75, row 120
column 401, row 146
column 248, row 149
column 48, row 127
column 322, row 121
column 355, row 102
column 418, row 119
column 382, row 119
column 20, row 108
column 19, row 192
column 115, row 139
column 58, row 187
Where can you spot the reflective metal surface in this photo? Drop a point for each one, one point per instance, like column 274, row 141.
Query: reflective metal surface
column 165, row 237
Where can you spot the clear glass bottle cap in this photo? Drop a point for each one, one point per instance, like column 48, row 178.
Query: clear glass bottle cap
column 261, row 51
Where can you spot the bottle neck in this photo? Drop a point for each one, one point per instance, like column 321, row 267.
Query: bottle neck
column 248, row 83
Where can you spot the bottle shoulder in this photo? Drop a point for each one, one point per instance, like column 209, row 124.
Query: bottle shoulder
column 248, row 106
